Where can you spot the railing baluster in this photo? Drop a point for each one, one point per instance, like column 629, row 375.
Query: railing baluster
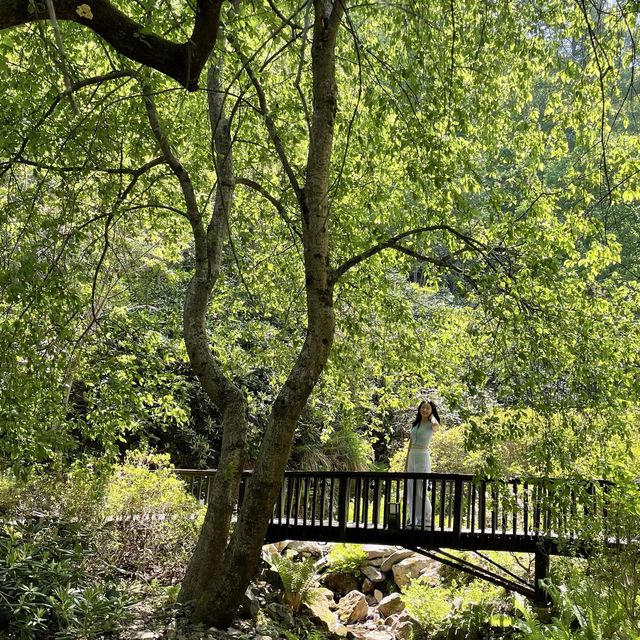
column 494, row 508
column 457, row 508
column 443, row 495
column 472, row 502
column 376, row 502
column 525, row 514
column 514, row 485
column 404, row 501
column 483, row 506
column 343, row 497
column 314, row 499
column 323, row 484
column 305, row 500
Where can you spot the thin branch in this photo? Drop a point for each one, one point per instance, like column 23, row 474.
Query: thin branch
column 61, row 52
column 109, row 170
column 269, row 123
column 256, row 186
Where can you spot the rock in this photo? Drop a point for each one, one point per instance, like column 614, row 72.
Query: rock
column 398, row 618
column 394, row 558
column 320, row 614
column 390, row 605
column 367, row 586
column 304, row 548
column 353, row 607
column 368, row 634
column 269, row 550
column 146, row 635
column 372, row 602
column 340, row 583
column 403, row 631
column 376, row 562
column 281, row 612
column 409, row 569
column 378, row 551
column 378, row 595
column 271, row 576
column 373, row 574
column 249, row 605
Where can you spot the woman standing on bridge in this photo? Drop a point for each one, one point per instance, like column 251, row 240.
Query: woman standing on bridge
column 425, row 424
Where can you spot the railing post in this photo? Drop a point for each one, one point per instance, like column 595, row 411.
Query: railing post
column 541, row 597
column 343, row 497
column 457, row 508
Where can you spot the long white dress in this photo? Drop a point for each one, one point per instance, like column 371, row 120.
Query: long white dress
column 419, row 461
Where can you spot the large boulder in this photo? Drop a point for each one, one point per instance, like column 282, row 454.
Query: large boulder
column 394, row 558
column 340, row 583
column 391, row 604
column 411, row 568
column 353, row 607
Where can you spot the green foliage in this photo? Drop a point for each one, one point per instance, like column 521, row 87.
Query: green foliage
column 156, row 521
column 55, row 582
column 452, row 611
column 298, row 579
column 346, row 558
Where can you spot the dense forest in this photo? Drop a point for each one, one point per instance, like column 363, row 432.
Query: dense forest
column 254, row 235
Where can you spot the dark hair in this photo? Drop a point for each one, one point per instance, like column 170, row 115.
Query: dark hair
column 434, row 409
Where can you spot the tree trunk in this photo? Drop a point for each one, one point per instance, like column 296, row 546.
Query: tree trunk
column 227, row 397
column 228, row 579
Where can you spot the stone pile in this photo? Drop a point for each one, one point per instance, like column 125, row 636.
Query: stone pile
column 369, row 606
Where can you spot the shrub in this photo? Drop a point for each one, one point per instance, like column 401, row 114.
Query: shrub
column 53, row 582
column 453, row 611
column 156, row 520
column 347, row 558
column 429, row 606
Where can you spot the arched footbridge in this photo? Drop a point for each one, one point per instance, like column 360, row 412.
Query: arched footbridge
column 543, row 517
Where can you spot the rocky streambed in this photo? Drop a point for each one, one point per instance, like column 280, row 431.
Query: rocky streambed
column 364, row 606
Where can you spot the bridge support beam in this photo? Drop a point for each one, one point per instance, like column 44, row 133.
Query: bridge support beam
column 541, row 573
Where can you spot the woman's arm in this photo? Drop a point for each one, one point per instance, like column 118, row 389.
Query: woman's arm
column 435, row 425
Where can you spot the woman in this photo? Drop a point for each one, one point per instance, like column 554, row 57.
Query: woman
column 419, row 461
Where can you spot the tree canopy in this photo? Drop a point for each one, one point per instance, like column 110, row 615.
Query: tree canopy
column 365, row 202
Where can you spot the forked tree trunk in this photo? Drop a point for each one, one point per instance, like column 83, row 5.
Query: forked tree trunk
column 225, row 574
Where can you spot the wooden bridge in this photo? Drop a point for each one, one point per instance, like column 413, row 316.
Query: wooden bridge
column 540, row 516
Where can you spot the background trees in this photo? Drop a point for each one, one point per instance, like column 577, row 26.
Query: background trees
column 486, row 149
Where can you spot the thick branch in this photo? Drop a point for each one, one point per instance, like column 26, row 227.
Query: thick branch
column 392, row 243
column 181, row 61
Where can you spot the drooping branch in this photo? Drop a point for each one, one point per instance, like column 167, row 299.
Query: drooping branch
column 181, row 61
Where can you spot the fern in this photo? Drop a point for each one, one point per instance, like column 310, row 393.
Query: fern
column 298, row 580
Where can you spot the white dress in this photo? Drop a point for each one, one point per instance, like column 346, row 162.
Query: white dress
column 419, row 461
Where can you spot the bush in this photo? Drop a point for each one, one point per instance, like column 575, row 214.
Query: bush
column 156, row 520
column 453, row 611
column 347, row 558
column 54, row 582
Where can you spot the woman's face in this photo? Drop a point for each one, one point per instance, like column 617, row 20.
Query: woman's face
column 425, row 410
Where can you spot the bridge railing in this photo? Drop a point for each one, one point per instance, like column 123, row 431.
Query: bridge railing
column 459, row 504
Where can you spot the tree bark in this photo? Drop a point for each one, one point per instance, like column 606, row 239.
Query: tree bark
column 222, row 593
column 227, row 397
column 181, row 61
